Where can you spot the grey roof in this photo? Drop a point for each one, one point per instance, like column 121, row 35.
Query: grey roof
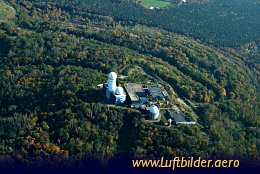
column 132, row 89
column 156, row 91
column 178, row 117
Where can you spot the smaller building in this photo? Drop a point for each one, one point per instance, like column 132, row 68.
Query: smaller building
column 179, row 117
column 143, row 99
column 100, row 86
column 154, row 112
column 120, row 96
column 169, row 122
column 156, row 92
column 135, row 93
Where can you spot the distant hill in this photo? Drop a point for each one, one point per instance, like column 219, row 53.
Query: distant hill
column 218, row 22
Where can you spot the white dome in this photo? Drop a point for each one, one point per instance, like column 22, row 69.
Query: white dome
column 112, row 75
column 119, row 91
column 154, row 109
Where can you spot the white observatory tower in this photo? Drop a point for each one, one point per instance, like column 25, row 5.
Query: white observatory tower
column 112, row 81
column 111, row 84
column 120, row 95
column 154, row 112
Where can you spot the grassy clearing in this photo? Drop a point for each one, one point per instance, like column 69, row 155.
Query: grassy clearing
column 6, row 12
column 156, row 3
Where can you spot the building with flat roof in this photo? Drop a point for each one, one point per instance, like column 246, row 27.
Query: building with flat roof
column 135, row 93
column 157, row 93
column 179, row 117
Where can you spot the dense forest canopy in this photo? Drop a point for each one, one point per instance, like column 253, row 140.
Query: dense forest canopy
column 54, row 53
column 218, row 22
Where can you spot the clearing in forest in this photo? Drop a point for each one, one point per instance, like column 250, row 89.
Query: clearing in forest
column 156, row 3
column 6, row 12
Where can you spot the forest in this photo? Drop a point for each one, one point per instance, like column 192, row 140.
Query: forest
column 54, row 53
column 217, row 22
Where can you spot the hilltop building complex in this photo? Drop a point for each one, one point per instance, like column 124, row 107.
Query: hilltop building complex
column 147, row 98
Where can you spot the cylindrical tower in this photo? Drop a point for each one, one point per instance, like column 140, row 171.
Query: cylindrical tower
column 120, row 95
column 154, row 112
column 112, row 81
column 119, row 91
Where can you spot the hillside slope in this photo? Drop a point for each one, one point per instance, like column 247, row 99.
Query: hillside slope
column 52, row 58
